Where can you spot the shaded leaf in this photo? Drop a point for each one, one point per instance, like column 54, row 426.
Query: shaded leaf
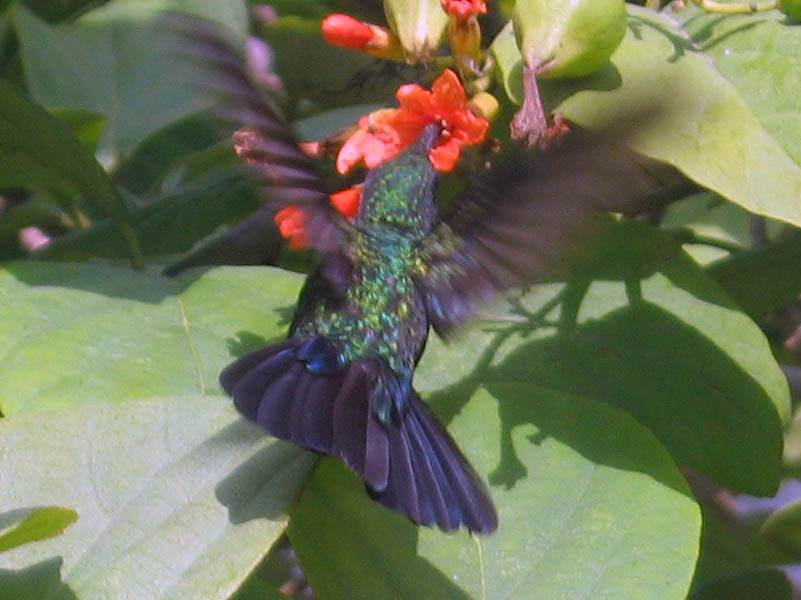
column 170, row 223
column 763, row 583
column 120, row 61
column 654, row 335
column 40, row 153
column 596, row 504
column 764, row 279
column 58, row 11
column 783, row 527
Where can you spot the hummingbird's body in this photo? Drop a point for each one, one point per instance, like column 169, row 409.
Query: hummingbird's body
column 341, row 384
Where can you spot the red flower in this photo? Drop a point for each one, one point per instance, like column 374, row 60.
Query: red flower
column 291, row 224
column 347, row 201
column 291, row 221
column 384, row 133
column 463, row 9
column 345, row 31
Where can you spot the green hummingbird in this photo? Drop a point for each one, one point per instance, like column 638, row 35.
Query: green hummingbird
column 341, row 384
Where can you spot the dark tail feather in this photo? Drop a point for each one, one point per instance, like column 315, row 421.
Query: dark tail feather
column 430, row 479
column 410, row 465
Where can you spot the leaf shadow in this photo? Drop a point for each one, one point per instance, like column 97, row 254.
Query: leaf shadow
column 261, row 487
column 645, row 360
column 337, row 513
column 40, row 580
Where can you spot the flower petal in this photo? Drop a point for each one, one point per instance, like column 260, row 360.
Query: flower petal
column 347, row 201
column 445, row 156
column 414, row 99
column 448, row 93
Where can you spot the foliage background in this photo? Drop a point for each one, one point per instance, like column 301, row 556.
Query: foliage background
column 126, row 473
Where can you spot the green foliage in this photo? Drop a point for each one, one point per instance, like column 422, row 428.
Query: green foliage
column 124, row 470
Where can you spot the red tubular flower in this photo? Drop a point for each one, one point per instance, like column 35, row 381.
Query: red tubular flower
column 347, row 201
column 291, row 224
column 347, row 32
column 464, row 9
column 384, row 133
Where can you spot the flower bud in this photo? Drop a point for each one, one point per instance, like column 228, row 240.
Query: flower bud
column 483, row 105
column 568, row 38
column 419, row 24
column 347, row 32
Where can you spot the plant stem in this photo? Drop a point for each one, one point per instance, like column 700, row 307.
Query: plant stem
column 735, row 8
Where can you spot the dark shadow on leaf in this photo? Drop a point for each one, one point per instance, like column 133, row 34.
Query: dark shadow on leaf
column 680, row 43
column 97, row 279
column 651, row 364
column 644, row 360
column 335, row 515
column 41, row 580
column 553, row 93
column 704, row 36
column 264, row 485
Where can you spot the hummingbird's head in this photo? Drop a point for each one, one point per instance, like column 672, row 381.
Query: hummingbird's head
column 399, row 194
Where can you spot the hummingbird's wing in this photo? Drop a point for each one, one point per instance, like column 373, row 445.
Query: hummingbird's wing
column 261, row 137
column 527, row 220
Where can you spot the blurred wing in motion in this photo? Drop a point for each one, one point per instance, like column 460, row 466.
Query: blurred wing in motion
column 528, row 219
column 260, row 135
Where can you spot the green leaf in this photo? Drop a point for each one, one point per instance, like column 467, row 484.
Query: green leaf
column 111, row 334
column 125, row 425
column 59, row 11
column 762, row 280
column 783, row 527
column 691, row 116
column 122, row 62
column 170, row 223
column 33, row 524
column 40, row 153
column 86, row 125
column 178, row 496
column 596, row 504
column 653, row 335
column 755, row 53
column 762, row 583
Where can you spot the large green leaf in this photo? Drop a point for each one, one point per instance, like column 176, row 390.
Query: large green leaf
column 758, row 54
column 599, row 506
column 653, row 335
column 122, row 62
column 691, row 116
column 177, row 496
column 111, row 334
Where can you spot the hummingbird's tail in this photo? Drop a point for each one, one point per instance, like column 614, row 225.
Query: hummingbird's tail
column 409, row 464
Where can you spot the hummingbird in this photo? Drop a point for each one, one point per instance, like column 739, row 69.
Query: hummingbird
column 341, row 383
